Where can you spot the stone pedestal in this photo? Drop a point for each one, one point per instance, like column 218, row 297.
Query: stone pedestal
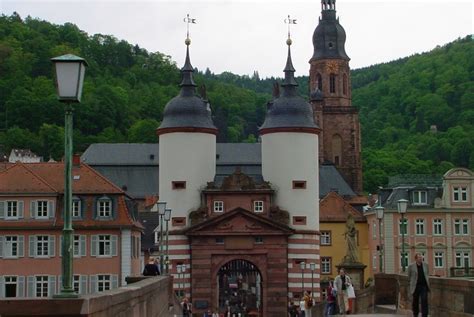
column 356, row 272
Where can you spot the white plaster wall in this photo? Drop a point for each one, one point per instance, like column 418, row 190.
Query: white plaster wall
column 289, row 156
column 189, row 157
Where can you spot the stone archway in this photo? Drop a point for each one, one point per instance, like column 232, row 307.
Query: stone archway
column 240, row 289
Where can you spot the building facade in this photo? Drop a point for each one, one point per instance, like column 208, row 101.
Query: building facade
column 106, row 237
column 438, row 224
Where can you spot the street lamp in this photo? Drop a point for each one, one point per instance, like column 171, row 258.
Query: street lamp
column 70, row 71
column 402, row 209
column 183, row 269
column 379, row 212
column 302, row 267
column 167, row 218
column 312, row 266
column 161, row 212
column 179, row 269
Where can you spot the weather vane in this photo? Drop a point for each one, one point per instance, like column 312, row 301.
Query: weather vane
column 289, row 21
column 188, row 20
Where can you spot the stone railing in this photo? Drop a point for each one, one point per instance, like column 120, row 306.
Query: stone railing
column 149, row 297
column 449, row 297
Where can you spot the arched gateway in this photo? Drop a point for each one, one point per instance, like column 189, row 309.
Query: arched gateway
column 240, row 288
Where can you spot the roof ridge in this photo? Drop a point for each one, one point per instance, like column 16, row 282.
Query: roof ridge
column 36, row 175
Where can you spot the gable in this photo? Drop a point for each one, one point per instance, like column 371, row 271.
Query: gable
column 19, row 179
column 238, row 222
column 458, row 172
column 334, row 208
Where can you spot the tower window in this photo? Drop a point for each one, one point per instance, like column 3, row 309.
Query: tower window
column 178, row 185
column 332, row 83
column 299, row 220
column 178, row 221
column 330, row 45
column 299, row 184
column 344, row 84
column 319, row 80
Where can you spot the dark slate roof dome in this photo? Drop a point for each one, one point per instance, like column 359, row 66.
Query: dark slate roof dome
column 187, row 111
column 329, row 37
column 289, row 110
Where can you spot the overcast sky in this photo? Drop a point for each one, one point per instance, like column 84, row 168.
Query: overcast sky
column 243, row 36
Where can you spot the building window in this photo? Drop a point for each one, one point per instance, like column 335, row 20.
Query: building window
column 463, row 259
column 76, row 283
column 42, row 286
column 219, row 240
column 459, row 194
column 218, row 206
column 258, row 206
column 11, row 286
column 178, row 184
column 178, row 221
column 461, row 227
column 103, row 283
column 437, row 227
column 325, row 237
column 105, row 247
column 374, row 230
column 325, row 265
column 76, row 208
column 374, row 261
column 320, row 81
column 344, row 84
column 438, row 260
column 299, row 184
column 403, row 226
column 420, row 227
column 332, row 83
column 258, row 240
column 299, row 220
column 404, row 259
column 419, row 197
column 79, row 245
column 13, row 247
column 42, row 246
column 12, row 210
column 105, row 208
column 42, row 209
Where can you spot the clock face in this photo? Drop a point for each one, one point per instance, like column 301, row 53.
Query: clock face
column 332, row 66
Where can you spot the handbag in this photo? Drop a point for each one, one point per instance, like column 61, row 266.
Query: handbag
column 350, row 291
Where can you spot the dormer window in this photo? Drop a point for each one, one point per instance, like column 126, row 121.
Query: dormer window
column 104, row 207
column 459, row 194
column 258, row 206
column 218, row 206
column 420, row 197
column 76, row 207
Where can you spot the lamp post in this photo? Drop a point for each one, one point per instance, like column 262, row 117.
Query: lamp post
column 302, row 266
column 161, row 212
column 179, row 270
column 379, row 213
column 183, row 269
column 312, row 266
column 402, row 209
column 167, row 218
column 70, row 71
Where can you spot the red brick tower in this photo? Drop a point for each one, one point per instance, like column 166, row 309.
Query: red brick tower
column 330, row 84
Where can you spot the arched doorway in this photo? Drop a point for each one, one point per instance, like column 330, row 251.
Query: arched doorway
column 240, row 289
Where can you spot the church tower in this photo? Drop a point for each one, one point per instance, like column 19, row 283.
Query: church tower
column 330, row 85
column 289, row 151
column 187, row 149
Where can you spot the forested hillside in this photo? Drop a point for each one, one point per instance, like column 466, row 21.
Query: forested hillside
column 127, row 88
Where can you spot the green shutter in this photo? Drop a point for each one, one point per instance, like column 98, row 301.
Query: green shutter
column 2, row 287
column 2, row 209
column 52, row 246
column 114, row 281
column 115, row 207
column 83, row 244
column 32, row 249
column 1, row 246
column 61, row 245
column 21, row 246
column 51, row 285
column 93, row 284
column 31, row 286
column 94, row 240
column 51, row 209
column 33, row 209
column 83, row 284
column 20, row 209
column 113, row 244
column 20, row 291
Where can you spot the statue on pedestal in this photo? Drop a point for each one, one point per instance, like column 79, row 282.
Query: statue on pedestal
column 351, row 243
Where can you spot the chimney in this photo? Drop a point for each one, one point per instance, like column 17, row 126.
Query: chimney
column 76, row 160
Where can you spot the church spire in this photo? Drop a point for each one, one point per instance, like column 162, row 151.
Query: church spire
column 187, row 83
column 289, row 70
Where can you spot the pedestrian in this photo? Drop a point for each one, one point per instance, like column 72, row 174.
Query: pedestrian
column 308, row 303
column 330, row 300
column 150, row 268
column 418, row 273
column 186, row 306
column 208, row 313
column 342, row 282
column 292, row 311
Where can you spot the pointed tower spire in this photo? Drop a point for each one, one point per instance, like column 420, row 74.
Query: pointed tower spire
column 187, row 83
column 289, row 70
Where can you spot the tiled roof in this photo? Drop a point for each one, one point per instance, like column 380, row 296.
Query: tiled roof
column 49, row 178
column 333, row 208
column 17, row 178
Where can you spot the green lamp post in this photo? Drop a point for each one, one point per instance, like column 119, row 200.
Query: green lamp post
column 70, row 71
column 402, row 205
column 379, row 213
